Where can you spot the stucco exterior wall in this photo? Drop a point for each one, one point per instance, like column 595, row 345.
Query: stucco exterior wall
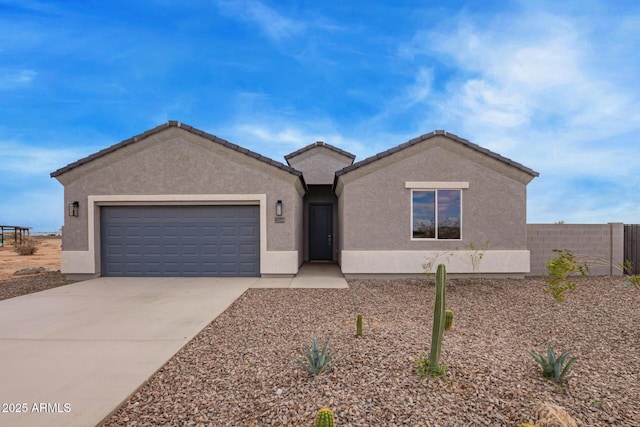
column 375, row 208
column 602, row 241
column 319, row 165
column 176, row 162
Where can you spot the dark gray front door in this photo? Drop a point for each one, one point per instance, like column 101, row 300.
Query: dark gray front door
column 180, row 240
column 321, row 232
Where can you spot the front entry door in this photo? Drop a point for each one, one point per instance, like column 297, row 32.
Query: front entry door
column 321, row 232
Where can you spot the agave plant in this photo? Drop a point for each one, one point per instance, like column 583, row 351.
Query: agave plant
column 554, row 367
column 316, row 361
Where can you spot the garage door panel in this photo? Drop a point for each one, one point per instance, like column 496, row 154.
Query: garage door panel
column 153, row 249
column 191, row 231
column 114, row 250
column 229, row 250
column 209, row 230
column 229, row 231
column 154, row 267
column 248, row 231
column 209, row 250
column 190, row 250
column 115, row 231
column 180, row 241
column 133, row 250
column 171, row 249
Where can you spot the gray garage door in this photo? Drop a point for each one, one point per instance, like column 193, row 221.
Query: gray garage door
column 180, row 240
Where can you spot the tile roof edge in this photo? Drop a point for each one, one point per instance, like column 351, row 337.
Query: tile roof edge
column 430, row 135
column 319, row 144
column 191, row 129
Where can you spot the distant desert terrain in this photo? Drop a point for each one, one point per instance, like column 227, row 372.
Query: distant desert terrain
column 47, row 256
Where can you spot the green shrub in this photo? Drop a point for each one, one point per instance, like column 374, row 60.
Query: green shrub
column 633, row 280
column 559, row 269
column 316, row 361
column 423, row 370
column 554, row 367
column 477, row 253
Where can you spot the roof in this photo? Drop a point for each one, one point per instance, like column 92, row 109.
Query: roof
column 174, row 123
column 319, row 144
column 428, row 136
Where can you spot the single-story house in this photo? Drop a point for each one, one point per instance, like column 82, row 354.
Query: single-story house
column 177, row 201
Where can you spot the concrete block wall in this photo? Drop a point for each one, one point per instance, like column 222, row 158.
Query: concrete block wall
column 605, row 241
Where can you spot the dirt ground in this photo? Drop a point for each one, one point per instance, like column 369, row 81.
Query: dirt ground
column 47, row 256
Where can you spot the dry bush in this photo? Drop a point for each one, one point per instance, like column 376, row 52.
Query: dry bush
column 27, row 247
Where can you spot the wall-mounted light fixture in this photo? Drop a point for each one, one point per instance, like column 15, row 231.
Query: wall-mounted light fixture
column 279, row 208
column 74, row 208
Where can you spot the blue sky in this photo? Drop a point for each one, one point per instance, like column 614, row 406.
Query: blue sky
column 552, row 86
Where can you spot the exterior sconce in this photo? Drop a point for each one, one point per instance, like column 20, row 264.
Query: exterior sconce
column 279, row 208
column 74, row 208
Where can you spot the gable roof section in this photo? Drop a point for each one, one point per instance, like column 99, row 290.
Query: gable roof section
column 319, row 144
column 174, row 123
column 426, row 137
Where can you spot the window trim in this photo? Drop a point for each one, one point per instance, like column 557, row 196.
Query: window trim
column 437, row 185
column 435, row 190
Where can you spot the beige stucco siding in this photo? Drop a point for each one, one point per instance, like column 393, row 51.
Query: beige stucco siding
column 375, row 207
column 177, row 162
column 319, row 165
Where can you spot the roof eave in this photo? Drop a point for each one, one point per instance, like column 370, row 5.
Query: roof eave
column 425, row 137
column 319, row 144
column 191, row 129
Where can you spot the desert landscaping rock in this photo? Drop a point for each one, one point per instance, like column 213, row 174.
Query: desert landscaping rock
column 30, row 270
column 10, row 288
column 241, row 370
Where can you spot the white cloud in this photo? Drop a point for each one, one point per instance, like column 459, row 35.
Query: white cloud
column 271, row 22
column 524, row 71
column 276, row 138
column 27, row 160
column 546, row 91
column 420, row 90
column 15, row 79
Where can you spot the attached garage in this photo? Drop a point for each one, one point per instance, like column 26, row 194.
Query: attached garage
column 177, row 201
column 214, row 241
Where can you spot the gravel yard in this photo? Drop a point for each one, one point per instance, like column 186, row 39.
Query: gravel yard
column 241, row 369
column 23, row 285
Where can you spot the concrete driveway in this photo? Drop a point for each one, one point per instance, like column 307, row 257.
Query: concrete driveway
column 70, row 355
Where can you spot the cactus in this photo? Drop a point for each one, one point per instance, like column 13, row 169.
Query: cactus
column 448, row 320
column 324, row 418
column 359, row 325
column 438, row 320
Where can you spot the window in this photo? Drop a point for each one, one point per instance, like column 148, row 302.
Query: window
column 436, row 214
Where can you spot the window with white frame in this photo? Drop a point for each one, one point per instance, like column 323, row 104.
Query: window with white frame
column 436, row 214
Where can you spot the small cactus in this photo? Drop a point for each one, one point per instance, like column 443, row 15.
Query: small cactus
column 324, row 418
column 438, row 320
column 359, row 325
column 448, row 320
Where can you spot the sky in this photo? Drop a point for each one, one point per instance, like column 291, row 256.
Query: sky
column 552, row 85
